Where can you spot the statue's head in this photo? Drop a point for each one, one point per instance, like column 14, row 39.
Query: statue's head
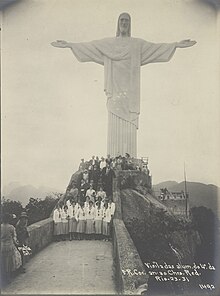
column 124, row 25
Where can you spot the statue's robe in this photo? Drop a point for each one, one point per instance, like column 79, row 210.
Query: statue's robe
column 122, row 58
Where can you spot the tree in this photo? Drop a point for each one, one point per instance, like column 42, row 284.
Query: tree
column 38, row 209
column 11, row 207
column 207, row 224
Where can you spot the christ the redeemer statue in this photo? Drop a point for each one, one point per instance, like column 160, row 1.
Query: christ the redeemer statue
column 122, row 57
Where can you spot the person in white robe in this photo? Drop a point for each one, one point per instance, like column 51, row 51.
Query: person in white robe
column 102, row 194
column 102, row 163
column 90, row 216
column 90, row 191
column 77, row 207
column 57, row 223
column 81, row 219
column 68, row 203
column 99, row 200
column 72, row 220
column 122, row 57
column 64, row 221
column 98, row 220
column 86, row 203
column 111, row 206
column 106, row 215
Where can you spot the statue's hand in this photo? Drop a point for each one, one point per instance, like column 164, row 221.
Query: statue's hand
column 60, row 43
column 185, row 43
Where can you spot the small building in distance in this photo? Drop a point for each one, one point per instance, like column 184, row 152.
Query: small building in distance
column 175, row 201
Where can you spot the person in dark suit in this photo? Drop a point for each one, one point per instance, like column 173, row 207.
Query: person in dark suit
column 108, row 159
column 95, row 174
column 93, row 162
column 107, row 179
column 98, row 162
column 22, row 235
column 82, row 165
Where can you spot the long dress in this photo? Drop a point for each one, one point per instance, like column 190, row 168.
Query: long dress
column 72, row 219
column 106, row 221
column 64, row 221
column 57, row 222
column 111, row 207
column 90, row 215
column 122, row 58
column 10, row 256
column 98, row 220
column 81, row 218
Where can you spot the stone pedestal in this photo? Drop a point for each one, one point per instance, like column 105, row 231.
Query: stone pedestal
column 122, row 137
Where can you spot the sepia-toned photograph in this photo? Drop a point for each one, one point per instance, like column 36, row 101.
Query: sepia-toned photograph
column 110, row 147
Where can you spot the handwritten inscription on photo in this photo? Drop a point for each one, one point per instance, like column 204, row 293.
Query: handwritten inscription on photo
column 173, row 272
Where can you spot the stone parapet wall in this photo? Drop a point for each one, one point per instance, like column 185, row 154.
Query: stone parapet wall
column 129, row 269
column 41, row 234
column 130, row 273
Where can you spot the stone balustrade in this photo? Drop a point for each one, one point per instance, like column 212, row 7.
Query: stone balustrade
column 41, row 234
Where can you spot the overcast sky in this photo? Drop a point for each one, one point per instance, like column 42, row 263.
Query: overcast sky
column 54, row 108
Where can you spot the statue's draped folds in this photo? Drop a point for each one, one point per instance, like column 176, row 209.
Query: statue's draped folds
column 122, row 58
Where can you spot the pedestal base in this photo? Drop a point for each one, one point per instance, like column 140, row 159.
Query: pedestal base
column 122, row 137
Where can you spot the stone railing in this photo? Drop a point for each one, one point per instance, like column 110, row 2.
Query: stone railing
column 41, row 234
column 130, row 273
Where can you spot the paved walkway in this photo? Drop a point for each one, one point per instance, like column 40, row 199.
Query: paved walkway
column 76, row 267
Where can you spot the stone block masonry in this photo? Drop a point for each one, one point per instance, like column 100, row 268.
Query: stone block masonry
column 129, row 270
column 41, row 234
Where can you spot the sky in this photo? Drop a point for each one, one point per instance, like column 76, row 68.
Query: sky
column 54, row 108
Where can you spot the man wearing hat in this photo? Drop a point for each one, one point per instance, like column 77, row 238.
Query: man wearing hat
column 22, row 233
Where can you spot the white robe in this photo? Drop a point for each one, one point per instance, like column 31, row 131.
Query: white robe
column 122, row 58
column 56, row 216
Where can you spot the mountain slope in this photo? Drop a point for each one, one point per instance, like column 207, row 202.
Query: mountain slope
column 23, row 193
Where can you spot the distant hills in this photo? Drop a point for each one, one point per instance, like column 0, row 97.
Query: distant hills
column 16, row 191
column 199, row 194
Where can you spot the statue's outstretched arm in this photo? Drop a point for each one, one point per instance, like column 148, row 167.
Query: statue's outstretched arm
column 61, row 44
column 83, row 51
column 161, row 52
column 185, row 43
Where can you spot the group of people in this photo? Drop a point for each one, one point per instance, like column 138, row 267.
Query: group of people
column 91, row 219
column 117, row 163
column 87, row 209
column 101, row 172
column 13, row 239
